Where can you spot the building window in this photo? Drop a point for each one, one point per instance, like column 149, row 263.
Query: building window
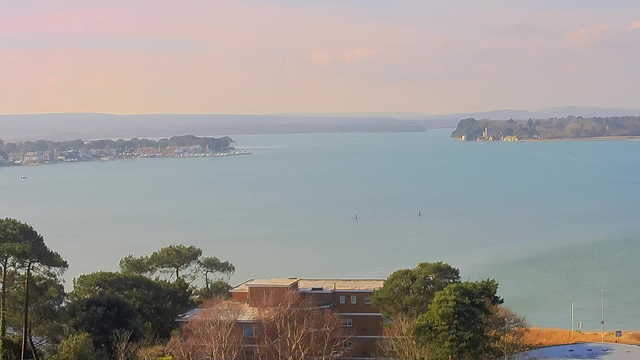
column 249, row 331
column 367, row 299
column 347, row 322
column 249, row 354
column 347, row 344
column 343, row 299
column 353, row 299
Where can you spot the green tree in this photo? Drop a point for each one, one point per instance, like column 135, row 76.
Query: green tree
column 410, row 291
column 77, row 347
column 488, row 288
column 11, row 147
column 12, row 348
column 46, row 320
column 34, row 256
column 158, row 302
column 11, row 245
column 41, row 145
column 97, row 145
column 211, row 265
column 137, row 265
column 76, row 144
column 456, row 324
column 175, row 259
column 218, row 288
column 102, row 316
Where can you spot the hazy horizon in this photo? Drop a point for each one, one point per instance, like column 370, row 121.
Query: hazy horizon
column 330, row 113
column 69, row 126
column 281, row 56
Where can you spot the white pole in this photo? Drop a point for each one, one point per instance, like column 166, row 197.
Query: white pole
column 602, row 321
column 571, row 318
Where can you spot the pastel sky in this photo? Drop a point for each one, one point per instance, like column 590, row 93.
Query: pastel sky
column 210, row 56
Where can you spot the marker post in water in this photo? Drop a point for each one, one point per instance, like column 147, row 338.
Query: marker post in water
column 571, row 318
column 602, row 308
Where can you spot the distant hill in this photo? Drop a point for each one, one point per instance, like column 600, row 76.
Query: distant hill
column 70, row 126
column 539, row 114
column 94, row 126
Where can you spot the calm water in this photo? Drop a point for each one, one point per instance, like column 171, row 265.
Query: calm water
column 553, row 222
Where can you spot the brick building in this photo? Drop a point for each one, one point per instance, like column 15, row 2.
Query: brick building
column 351, row 299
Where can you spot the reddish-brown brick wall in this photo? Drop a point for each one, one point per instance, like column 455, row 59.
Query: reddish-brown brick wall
column 365, row 325
column 362, row 348
column 348, row 307
column 261, row 296
column 240, row 296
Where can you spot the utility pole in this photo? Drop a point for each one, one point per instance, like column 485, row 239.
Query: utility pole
column 571, row 318
column 602, row 321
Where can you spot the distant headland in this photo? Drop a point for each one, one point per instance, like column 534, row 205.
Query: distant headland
column 68, row 126
column 50, row 152
column 570, row 127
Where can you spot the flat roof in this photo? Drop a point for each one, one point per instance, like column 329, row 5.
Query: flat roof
column 237, row 311
column 271, row 282
column 341, row 284
column 325, row 284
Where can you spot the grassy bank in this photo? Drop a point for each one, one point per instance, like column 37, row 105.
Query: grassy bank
column 538, row 337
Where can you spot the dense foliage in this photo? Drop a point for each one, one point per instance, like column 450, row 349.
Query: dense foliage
column 214, row 144
column 106, row 312
column 25, row 258
column 175, row 259
column 434, row 315
column 456, row 324
column 109, row 315
column 77, row 347
column 103, row 315
column 410, row 291
column 157, row 302
column 554, row 128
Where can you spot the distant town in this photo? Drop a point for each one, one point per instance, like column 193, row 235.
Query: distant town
column 489, row 134
column 50, row 152
column 570, row 127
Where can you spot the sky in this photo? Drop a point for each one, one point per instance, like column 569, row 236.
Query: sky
column 338, row 56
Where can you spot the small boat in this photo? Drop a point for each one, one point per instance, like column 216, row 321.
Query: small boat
column 419, row 213
column 23, row 177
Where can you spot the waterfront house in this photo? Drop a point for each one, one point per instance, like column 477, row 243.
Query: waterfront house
column 33, row 157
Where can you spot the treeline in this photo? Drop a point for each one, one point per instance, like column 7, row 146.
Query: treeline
column 131, row 314
column 554, row 128
column 435, row 315
column 106, row 312
column 214, row 144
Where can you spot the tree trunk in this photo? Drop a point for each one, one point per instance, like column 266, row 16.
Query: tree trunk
column 33, row 347
column 206, row 280
column 25, row 326
column 177, row 273
column 3, row 306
